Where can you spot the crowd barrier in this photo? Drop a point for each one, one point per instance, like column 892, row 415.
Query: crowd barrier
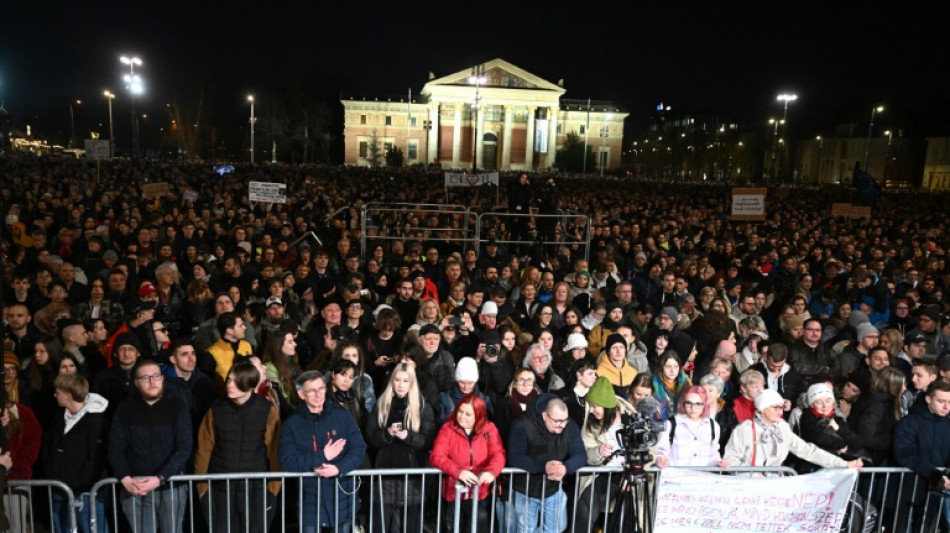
column 411, row 500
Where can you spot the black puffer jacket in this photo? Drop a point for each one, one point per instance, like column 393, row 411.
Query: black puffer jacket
column 873, row 419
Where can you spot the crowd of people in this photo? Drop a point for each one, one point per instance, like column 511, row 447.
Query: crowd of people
column 199, row 332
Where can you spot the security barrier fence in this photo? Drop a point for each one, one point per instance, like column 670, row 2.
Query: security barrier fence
column 604, row 499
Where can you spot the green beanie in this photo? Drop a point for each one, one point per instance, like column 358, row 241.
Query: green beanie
column 602, row 394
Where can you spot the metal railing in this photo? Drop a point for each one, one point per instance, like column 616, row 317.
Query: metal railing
column 413, row 501
column 543, row 235
column 462, row 234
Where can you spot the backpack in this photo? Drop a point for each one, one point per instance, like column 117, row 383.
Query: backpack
column 712, row 430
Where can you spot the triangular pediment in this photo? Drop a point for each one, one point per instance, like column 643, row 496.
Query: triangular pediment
column 498, row 73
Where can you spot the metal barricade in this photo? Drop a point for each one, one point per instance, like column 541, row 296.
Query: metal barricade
column 373, row 210
column 542, row 239
column 896, row 499
column 23, row 509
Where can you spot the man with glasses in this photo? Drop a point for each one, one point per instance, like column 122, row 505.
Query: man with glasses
column 546, row 444
column 150, row 441
column 808, row 355
column 324, row 439
column 780, row 376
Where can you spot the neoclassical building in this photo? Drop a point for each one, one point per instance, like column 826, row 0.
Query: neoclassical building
column 519, row 122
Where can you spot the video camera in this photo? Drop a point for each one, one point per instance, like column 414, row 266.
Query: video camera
column 640, row 432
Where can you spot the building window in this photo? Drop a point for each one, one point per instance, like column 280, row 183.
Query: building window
column 362, row 119
column 413, row 150
column 559, row 129
column 583, row 129
column 387, row 147
column 389, row 120
column 364, row 149
column 412, row 121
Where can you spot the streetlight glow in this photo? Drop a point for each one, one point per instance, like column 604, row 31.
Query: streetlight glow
column 787, row 97
column 135, row 86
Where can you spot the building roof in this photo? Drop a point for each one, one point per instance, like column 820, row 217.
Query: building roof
column 596, row 106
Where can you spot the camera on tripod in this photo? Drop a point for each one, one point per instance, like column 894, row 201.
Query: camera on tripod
column 638, row 434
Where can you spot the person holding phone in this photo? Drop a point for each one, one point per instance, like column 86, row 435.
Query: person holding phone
column 400, row 430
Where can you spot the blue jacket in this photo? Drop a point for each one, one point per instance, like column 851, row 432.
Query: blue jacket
column 302, row 441
column 922, row 443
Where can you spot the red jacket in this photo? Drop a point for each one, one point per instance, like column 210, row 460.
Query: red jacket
column 453, row 452
column 744, row 408
column 24, row 445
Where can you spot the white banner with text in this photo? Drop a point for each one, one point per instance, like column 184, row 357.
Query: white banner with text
column 268, row 193
column 700, row 502
column 464, row 179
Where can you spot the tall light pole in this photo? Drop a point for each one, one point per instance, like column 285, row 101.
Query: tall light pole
column 110, row 97
column 887, row 154
column 775, row 123
column 867, row 146
column 603, row 144
column 478, row 78
column 785, row 98
column 250, row 98
column 818, row 168
column 72, row 123
column 427, row 125
column 134, row 83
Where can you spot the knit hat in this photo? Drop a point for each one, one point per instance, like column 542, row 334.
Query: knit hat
column 147, row 289
column 429, row 329
column 466, row 370
column 575, row 340
column 9, row 358
column 857, row 318
column 943, row 362
column 819, row 391
column 602, row 394
column 615, row 338
column 768, row 398
column 127, row 338
column 792, row 321
column 932, row 312
column 866, row 329
column 671, row 312
column 489, row 308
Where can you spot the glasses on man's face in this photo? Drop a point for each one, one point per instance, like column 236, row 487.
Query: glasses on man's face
column 693, row 405
column 559, row 422
column 150, row 378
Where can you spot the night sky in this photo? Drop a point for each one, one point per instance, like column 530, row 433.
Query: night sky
column 728, row 58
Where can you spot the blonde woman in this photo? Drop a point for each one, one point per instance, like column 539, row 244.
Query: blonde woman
column 429, row 313
column 401, row 429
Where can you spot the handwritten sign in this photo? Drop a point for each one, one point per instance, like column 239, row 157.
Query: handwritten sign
column 268, row 193
column 461, row 179
column 155, row 190
column 850, row 211
column 748, row 204
column 697, row 502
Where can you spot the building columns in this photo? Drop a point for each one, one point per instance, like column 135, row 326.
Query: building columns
column 479, row 135
column 457, row 136
column 433, row 142
column 552, row 136
column 506, row 146
column 529, row 140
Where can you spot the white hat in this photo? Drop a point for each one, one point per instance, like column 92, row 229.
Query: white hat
column 819, row 391
column 466, row 370
column 768, row 398
column 379, row 308
column 575, row 340
column 489, row 308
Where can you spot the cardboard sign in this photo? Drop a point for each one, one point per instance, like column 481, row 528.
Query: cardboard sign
column 850, row 211
column 155, row 190
column 748, row 204
column 268, row 193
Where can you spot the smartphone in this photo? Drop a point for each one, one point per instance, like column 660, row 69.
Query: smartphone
column 397, row 426
column 457, row 321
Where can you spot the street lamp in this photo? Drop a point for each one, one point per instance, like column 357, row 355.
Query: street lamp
column 867, row 146
column 110, row 97
column 887, row 154
column 478, row 78
column 135, row 86
column 427, row 125
column 775, row 123
column 72, row 123
column 818, row 169
column 785, row 98
column 250, row 98
column 603, row 150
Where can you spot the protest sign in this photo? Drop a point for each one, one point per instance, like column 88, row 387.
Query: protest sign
column 698, row 502
column 462, row 179
column 268, row 193
column 748, row 204
column 155, row 190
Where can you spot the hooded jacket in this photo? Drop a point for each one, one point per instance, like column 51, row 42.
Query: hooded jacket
column 921, row 443
column 531, row 446
column 74, row 449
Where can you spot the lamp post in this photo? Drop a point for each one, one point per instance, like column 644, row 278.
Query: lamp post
column 478, row 78
column 427, row 125
column 72, row 123
column 134, row 83
column 603, row 146
column 867, row 146
column 775, row 123
column 109, row 98
column 818, row 168
column 250, row 98
column 887, row 154
column 785, row 98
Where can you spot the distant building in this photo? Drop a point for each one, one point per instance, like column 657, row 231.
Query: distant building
column 891, row 160
column 937, row 165
column 520, row 122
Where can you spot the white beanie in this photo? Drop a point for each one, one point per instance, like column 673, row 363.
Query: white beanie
column 768, row 398
column 489, row 308
column 466, row 370
column 819, row 391
column 575, row 340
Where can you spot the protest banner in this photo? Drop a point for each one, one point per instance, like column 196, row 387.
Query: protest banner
column 463, row 179
column 155, row 190
column 268, row 193
column 699, row 502
column 850, row 210
column 748, row 204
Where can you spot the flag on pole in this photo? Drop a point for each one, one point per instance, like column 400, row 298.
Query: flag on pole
column 863, row 182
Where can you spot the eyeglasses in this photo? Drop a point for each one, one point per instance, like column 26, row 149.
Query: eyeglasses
column 154, row 377
column 311, row 392
column 561, row 422
column 546, row 313
column 693, row 405
column 163, row 330
column 525, row 381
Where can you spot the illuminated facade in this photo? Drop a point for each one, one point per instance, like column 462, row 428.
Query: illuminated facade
column 441, row 124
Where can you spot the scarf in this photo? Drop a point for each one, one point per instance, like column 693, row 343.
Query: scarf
column 771, row 435
column 821, row 416
column 516, row 400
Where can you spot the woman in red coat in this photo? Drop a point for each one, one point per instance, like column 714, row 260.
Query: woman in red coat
column 469, row 450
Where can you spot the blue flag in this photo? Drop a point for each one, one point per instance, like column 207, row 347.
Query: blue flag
column 870, row 190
